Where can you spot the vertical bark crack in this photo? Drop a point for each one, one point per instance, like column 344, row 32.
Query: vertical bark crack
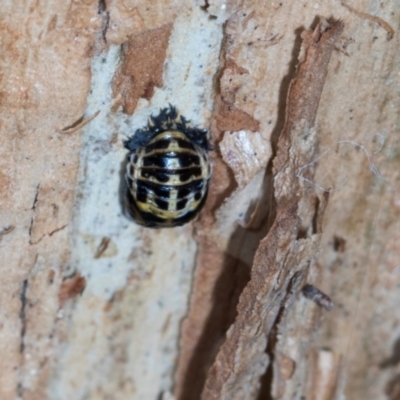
column 22, row 314
column 102, row 11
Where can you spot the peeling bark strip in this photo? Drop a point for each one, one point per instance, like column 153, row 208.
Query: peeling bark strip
column 242, row 360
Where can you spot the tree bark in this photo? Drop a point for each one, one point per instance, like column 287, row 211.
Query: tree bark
column 302, row 103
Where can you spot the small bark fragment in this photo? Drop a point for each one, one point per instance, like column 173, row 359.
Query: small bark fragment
column 79, row 124
column 326, row 375
column 245, row 154
column 71, row 287
column 142, row 67
column 314, row 294
column 102, row 247
column 283, row 370
column 230, row 118
column 6, row 231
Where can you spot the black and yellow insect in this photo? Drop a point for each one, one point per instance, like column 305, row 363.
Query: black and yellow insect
column 168, row 171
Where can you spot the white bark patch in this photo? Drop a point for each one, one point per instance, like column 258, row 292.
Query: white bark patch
column 128, row 344
column 246, row 153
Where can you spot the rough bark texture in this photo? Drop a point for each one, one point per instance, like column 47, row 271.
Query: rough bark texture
column 284, row 255
column 95, row 307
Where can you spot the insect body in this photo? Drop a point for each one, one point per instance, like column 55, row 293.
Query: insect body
column 168, row 171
